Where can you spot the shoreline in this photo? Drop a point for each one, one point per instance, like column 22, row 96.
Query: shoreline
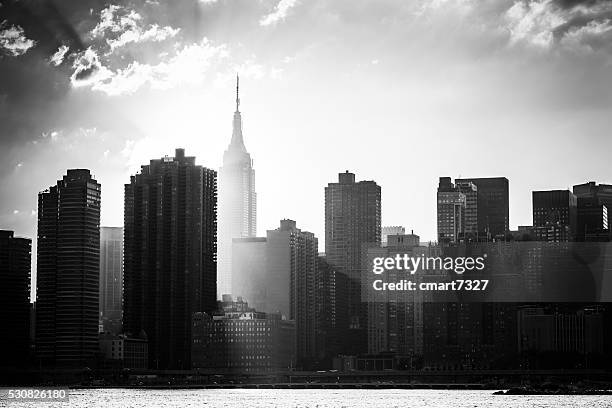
column 509, row 391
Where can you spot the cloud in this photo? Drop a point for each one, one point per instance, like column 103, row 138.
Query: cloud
column 595, row 35
column 533, row 23
column 115, row 19
column 433, row 6
column 88, row 70
column 280, row 13
column 13, row 40
column 188, row 66
column 120, row 26
column 153, row 33
column 57, row 58
column 126, row 26
column 569, row 24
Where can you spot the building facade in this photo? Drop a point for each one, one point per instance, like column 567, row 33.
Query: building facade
column 331, row 312
column 120, row 351
column 293, row 250
column 15, row 266
column 561, row 336
column 450, row 212
column 169, row 255
column 395, row 319
column 352, row 218
column 239, row 339
column 594, row 201
column 470, row 219
column 237, row 200
column 493, row 206
column 602, row 192
column 390, row 230
column 111, row 278
column 249, row 274
column 554, row 215
column 277, row 274
column 67, row 283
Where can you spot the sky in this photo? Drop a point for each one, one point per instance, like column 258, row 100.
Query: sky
column 400, row 92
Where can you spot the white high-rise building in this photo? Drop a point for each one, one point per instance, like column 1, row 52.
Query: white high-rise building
column 237, row 206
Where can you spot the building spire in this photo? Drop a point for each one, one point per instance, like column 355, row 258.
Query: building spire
column 237, row 143
column 237, row 93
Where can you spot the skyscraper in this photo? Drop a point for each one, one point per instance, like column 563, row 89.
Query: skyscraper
column 594, row 201
column 292, row 262
column 450, row 212
column 68, row 271
column 111, row 278
column 603, row 192
column 331, row 303
column 15, row 268
column 169, row 255
column 395, row 323
column 352, row 218
column 237, row 200
column 493, row 206
column 470, row 221
column 278, row 274
column 554, row 215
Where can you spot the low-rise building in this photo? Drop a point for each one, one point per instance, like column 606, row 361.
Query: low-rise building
column 238, row 339
column 122, row 351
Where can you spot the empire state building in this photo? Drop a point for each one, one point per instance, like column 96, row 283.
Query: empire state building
column 237, row 201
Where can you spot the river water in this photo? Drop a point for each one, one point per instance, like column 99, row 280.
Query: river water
column 266, row 398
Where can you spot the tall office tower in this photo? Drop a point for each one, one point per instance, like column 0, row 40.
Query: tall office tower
column 493, row 207
column 451, row 212
column 470, row 226
column 331, row 312
column 554, row 215
column 603, row 192
column 395, row 323
column 390, row 230
column 352, row 218
column 15, row 268
column 591, row 220
column 68, row 279
column 111, row 278
column 169, row 255
column 291, row 256
column 237, row 200
column 594, row 201
column 278, row 274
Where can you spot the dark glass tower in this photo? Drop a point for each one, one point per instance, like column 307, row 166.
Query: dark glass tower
column 169, row 255
column 594, row 203
column 15, row 268
column 554, row 215
column 352, row 218
column 68, row 271
column 493, row 205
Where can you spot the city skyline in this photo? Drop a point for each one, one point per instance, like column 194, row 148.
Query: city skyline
column 199, row 196
column 527, row 76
